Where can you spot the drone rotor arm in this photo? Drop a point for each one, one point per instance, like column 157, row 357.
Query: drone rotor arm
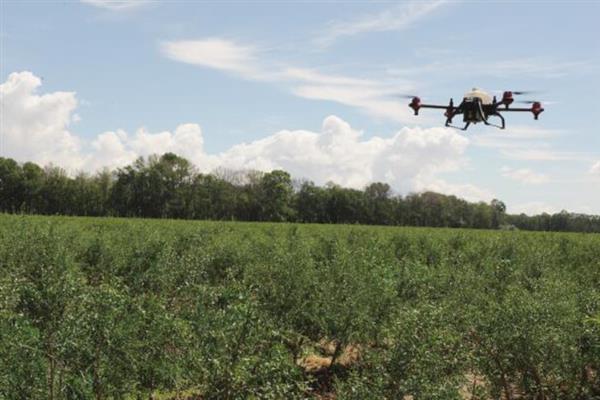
column 513, row 109
column 434, row 106
column 451, row 111
column 536, row 109
column 501, row 126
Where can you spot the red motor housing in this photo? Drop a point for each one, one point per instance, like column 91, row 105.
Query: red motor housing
column 450, row 112
column 507, row 98
column 536, row 109
column 415, row 104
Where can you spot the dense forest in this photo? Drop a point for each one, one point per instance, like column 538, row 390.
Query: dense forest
column 169, row 186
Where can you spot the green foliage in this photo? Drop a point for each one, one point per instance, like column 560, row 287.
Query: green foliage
column 168, row 186
column 121, row 309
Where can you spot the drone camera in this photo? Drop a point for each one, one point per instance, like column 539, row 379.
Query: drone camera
column 415, row 104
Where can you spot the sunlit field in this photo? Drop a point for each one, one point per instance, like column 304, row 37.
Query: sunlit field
column 106, row 308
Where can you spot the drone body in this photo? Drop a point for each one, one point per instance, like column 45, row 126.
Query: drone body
column 479, row 106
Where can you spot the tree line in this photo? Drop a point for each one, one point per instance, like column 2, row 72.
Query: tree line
column 169, row 186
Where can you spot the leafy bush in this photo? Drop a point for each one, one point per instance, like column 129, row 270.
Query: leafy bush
column 118, row 309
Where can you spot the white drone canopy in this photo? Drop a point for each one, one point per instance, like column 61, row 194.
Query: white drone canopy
column 480, row 94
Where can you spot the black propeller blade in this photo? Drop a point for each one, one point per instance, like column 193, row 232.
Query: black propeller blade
column 518, row 92
column 405, row 96
column 528, row 101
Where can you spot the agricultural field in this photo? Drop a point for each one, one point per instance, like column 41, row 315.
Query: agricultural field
column 100, row 308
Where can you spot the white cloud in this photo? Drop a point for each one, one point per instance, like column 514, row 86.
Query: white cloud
column 370, row 96
column 409, row 160
column 370, row 100
column 316, row 77
column 533, row 208
column 109, row 150
column 116, row 5
column 115, row 149
column 516, row 136
column 529, row 66
column 35, row 128
column 595, row 169
column 524, row 175
column 216, row 53
column 526, row 143
column 540, row 155
column 465, row 191
column 394, row 19
column 338, row 153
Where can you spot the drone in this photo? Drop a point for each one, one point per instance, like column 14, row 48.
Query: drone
column 479, row 106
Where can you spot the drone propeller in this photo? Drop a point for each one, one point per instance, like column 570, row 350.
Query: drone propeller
column 405, row 96
column 546, row 103
column 518, row 92
column 521, row 92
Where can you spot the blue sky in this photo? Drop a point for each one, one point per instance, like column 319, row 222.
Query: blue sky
column 310, row 87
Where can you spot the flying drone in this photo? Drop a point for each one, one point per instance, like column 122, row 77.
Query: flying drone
column 479, row 106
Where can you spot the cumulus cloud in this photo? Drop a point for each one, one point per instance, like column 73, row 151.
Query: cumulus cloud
column 524, row 175
column 36, row 128
column 409, row 160
column 118, row 148
column 340, row 154
column 116, row 5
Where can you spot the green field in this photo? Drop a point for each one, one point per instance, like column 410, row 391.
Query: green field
column 128, row 308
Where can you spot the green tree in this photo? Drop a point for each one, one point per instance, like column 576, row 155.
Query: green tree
column 311, row 203
column 11, row 185
column 380, row 205
column 498, row 212
column 276, row 196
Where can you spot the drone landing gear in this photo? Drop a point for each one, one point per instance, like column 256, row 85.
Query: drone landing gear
column 464, row 128
column 485, row 121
